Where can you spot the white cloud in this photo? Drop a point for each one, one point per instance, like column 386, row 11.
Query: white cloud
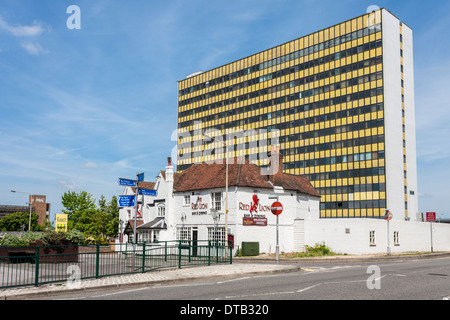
column 34, row 31
column 90, row 165
column 22, row 31
column 33, row 48
column 68, row 184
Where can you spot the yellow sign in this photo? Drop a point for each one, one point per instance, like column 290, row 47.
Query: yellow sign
column 61, row 222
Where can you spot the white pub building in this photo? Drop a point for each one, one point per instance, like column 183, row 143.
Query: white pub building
column 192, row 206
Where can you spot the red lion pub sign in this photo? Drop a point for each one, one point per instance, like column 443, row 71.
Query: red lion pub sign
column 255, row 217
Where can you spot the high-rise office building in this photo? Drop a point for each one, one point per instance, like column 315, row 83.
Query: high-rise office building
column 342, row 103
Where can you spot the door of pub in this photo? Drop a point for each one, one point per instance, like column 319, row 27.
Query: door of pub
column 194, row 242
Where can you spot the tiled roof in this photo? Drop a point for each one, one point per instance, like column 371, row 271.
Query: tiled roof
column 209, row 176
column 130, row 225
column 145, row 185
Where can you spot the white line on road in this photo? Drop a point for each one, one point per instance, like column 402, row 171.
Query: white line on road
column 301, row 290
column 220, row 282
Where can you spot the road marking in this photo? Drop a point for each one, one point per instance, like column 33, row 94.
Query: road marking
column 119, row 292
column 220, row 282
column 301, row 290
column 156, row 286
column 256, row 295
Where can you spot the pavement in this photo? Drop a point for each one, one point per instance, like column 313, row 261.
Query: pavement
column 240, row 266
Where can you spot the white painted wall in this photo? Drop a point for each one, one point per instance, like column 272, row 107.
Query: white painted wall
column 413, row 235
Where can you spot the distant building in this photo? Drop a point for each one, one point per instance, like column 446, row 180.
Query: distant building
column 41, row 207
column 38, row 205
column 9, row 209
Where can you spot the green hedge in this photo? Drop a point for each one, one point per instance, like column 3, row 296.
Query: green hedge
column 47, row 238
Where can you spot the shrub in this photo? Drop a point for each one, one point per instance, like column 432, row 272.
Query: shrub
column 53, row 238
column 318, row 250
column 11, row 240
column 75, row 236
column 32, row 237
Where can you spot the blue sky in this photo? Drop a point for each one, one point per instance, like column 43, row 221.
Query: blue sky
column 81, row 108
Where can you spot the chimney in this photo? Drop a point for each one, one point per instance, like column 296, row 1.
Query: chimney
column 169, row 170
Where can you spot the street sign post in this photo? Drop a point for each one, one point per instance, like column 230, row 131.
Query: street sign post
column 277, row 209
column 431, row 217
column 126, row 201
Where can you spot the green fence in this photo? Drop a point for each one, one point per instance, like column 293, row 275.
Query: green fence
column 28, row 266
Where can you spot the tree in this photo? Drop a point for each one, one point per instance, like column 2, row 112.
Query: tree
column 81, row 210
column 14, row 222
column 113, row 218
column 101, row 221
column 106, row 221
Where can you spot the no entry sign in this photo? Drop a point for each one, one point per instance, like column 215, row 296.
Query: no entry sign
column 277, row 208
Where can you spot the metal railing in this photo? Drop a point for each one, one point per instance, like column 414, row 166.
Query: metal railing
column 34, row 266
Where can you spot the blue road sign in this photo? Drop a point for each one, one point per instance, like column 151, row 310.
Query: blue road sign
column 126, row 201
column 127, row 182
column 140, row 177
column 148, row 192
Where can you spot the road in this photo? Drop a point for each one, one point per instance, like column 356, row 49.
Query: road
column 401, row 280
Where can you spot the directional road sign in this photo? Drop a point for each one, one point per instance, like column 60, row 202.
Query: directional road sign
column 126, row 201
column 148, row 192
column 127, row 182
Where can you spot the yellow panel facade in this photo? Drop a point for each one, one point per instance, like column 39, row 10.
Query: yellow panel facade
column 314, row 92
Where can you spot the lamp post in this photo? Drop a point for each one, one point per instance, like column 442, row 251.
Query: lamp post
column 226, row 188
column 388, row 216
column 29, row 204
column 216, row 217
column 226, row 199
